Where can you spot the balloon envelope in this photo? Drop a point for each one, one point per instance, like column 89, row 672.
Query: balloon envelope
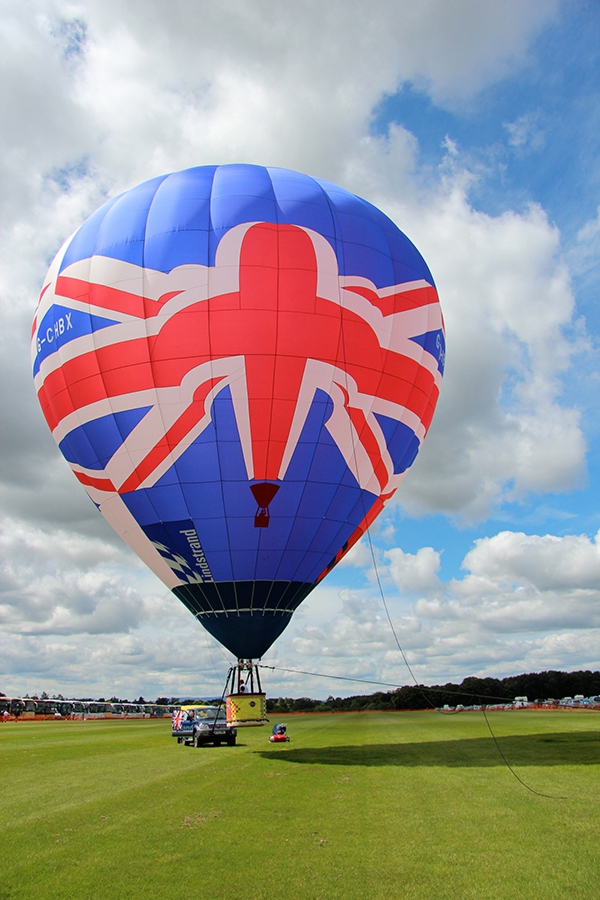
column 240, row 364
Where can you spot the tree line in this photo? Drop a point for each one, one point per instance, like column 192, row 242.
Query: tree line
column 471, row 691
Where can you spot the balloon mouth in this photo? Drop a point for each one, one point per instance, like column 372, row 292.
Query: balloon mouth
column 246, row 617
column 263, row 493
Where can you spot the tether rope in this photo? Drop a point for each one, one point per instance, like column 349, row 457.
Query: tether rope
column 419, row 688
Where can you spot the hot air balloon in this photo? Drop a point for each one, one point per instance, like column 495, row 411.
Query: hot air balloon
column 239, row 364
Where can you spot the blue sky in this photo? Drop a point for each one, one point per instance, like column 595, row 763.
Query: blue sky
column 532, row 137
column 474, row 125
column 534, row 132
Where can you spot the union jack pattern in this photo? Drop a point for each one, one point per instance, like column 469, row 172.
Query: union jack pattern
column 198, row 361
column 177, row 719
column 272, row 321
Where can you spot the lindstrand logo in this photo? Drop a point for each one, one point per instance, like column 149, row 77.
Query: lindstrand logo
column 197, row 552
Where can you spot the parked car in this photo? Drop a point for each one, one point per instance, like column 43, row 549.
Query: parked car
column 199, row 725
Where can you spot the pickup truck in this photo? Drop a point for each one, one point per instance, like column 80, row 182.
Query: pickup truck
column 201, row 725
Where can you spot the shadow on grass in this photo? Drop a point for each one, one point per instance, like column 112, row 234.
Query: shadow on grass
column 557, row 749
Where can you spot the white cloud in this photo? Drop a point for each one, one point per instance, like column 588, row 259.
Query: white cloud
column 121, row 665
column 591, row 230
column 414, row 572
column 525, row 134
column 99, row 97
column 546, row 563
column 500, row 429
column 521, row 583
column 359, row 555
column 584, row 254
column 526, row 602
column 118, row 95
column 58, row 582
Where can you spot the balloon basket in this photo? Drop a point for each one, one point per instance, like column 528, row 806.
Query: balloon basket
column 246, row 709
column 246, row 702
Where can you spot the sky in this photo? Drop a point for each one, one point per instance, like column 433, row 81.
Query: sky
column 475, row 127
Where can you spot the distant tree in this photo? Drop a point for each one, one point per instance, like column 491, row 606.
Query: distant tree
column 162, row 701
column 44, row 696
column 303, row 704
column 279, row 705
column 140, row 699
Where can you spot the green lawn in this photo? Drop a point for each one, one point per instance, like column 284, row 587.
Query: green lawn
column 416, row 806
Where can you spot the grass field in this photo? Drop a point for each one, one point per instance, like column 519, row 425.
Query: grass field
column 416, row 806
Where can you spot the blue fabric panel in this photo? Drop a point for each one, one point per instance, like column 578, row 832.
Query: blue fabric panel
column 120, row 232
column 303, row 533
column 402, row 442
column 216, row 535
column 241, row 194
column 223, row 417
column 182, row 203
column 315, row 493
column 327, row 532
column 274, row 539
column 93, row 444
column 76, row 448
column 238, row 499
column 205, row 501
column 433, row 342
column 357, row 227
column 139, row 505
column 344, row 501
column 409, row 265
column 365, row 259
column 169, row 503
column 302, row 201
column 60, row 326
column 178, row 225
column 243, row 565
column 169, row 478
column 242, row 533
column 310, row 562
column 410, row 455
column 183, row 216
column 328, row 463
column 365, row 250
column 201, row 456
column 220, row 563
column 165, row 252
column 288, row 496
column 83, row 243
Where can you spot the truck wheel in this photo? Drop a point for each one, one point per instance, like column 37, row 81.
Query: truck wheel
column 231, row 741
